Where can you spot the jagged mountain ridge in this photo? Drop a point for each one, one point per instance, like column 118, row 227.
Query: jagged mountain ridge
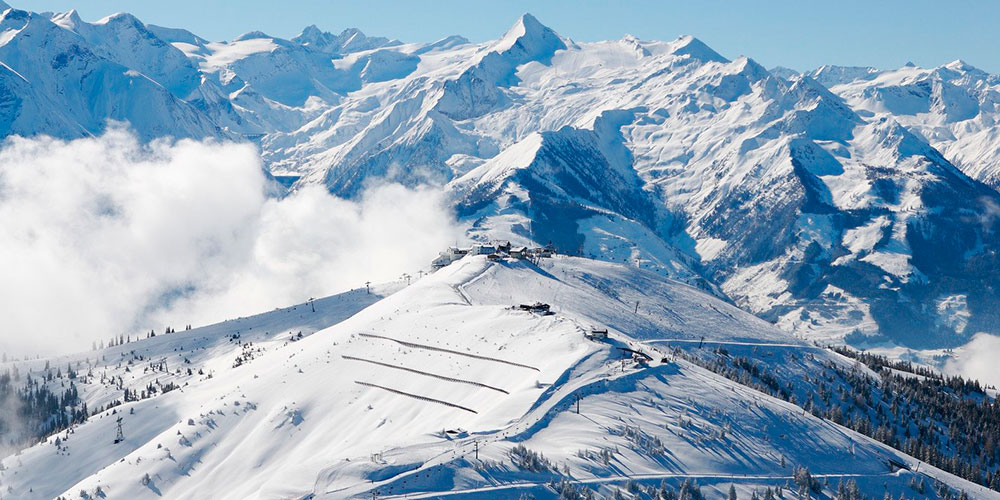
column 164, row 81
column 349, row 40
column 791, row 200
column 54, row 82
column 954, row 107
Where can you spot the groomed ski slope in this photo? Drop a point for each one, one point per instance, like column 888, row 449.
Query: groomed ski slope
column 397, row 399
column 207, row 351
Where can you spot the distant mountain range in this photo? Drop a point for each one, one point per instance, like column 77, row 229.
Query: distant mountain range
column 840, row 203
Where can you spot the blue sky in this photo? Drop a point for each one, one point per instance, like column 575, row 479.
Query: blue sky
column 801, row 34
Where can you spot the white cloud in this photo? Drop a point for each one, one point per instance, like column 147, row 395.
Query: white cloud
column 977, row 359
column 103, row 236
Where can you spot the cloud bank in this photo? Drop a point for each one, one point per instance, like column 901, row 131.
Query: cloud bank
column 977, row 359
column 102, row 236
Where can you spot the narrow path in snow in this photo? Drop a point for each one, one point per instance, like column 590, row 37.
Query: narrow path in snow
column 415, row 396
column 419, row 372
column 616, row 479
column 460, row 288
column 730, row 342
column 449, row 351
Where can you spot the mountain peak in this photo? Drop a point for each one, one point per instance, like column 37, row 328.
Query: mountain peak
column 696, row 49
column 961, row 66
column 349, row 40
column 119, row 18
column 69, row 19
column 535, row 40
column 12, row 14
column 311, row 31
column 252, row 35
column 528, row 31
column 752, row 69
column 528, row 23
column 442, row 44
column 314, row 36
column 636, row 44
column 70, row 15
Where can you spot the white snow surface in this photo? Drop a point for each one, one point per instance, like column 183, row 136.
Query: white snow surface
column 399, row 393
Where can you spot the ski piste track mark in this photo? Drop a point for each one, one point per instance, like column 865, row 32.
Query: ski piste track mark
column 416, row 396
column 729, row 342
column 737, row 478
column 616, row 479
column 419, row 372
column 449, row 351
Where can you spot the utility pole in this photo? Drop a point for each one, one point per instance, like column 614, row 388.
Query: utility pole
column 311, row 305
column 702, row 341
column 368, row 287
column 636, row 308
column 577, row 404
column 121, row 435
column 476, row 444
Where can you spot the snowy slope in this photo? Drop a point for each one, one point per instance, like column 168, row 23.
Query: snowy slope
column 399, row 396
column 187, row 359
column 850, row 214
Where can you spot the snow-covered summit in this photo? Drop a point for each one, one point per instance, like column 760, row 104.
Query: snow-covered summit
column 69, row 19
column 696, row 49
column 447, row 386
column 534, row 39
column 252, row 35
column 348, row 41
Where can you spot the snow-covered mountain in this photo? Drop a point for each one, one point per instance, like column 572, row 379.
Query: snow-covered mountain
column 668, row 153
column 688, row 196
column 124, row 39
column 833, row 214
column 441, row 387
column 955, row 108
column 53, row 81
column 349, row 40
